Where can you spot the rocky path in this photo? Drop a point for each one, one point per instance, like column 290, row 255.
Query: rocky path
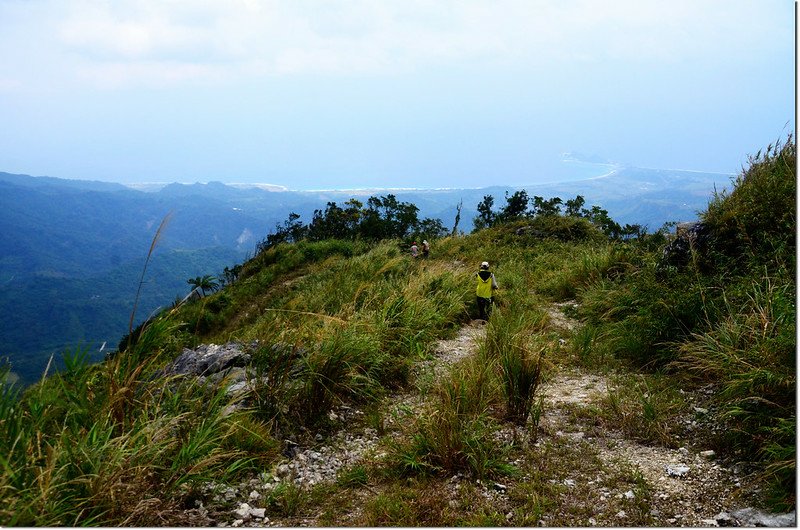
column 687, row 487
column 667, row 487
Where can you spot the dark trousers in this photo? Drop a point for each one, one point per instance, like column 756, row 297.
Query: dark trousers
column 484, row 307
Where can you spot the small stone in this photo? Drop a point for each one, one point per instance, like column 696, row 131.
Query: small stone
column 708, row 454
column 254, row 495
column 243, row 512
column 258, row 513
column 677, row 471
column 592, row 521
column 621, row 514
column 629, row 494
column 237, row 523
column 701, row 410
column 569, row 482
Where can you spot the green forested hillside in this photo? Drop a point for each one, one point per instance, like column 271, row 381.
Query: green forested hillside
column 345, row 327
column 60, row 236
column 92, row 313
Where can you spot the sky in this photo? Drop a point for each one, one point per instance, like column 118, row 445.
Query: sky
column 341, row 94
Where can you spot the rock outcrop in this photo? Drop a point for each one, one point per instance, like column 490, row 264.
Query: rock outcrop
column 689, row 238
column 209, row 359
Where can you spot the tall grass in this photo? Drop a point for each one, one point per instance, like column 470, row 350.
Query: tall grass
column 588, row 265
column 646, row 408
column 454, row 433
column 342, row 322
column 156, row 239
column 510, row 344
column 750, row 355
column 727, row 319
column 755, row 223
column 70, row 461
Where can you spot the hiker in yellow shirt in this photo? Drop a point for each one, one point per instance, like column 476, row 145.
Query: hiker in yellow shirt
column 484, row 290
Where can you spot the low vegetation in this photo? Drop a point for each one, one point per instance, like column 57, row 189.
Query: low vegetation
column 335, row 313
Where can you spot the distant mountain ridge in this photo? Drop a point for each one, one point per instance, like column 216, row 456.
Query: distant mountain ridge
column 61, row 239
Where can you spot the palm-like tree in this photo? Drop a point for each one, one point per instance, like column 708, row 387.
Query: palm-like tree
column 204, row 283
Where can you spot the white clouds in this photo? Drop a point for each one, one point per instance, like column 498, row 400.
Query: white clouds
column 155, row 43
column 281, row 90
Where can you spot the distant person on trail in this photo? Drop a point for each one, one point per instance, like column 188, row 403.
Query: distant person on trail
column 426, row 248
column 414, row 250
column 484, row 290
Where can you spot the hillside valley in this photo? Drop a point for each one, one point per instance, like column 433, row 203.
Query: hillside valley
column 620, row 377
column 73, row 250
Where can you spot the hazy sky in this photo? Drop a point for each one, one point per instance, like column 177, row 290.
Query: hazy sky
column 407, row 93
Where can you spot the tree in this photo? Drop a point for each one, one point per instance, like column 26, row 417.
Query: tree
column 458, row 217
column 387, row 218
column 328, row 224
column 546, row 207
column 635, row 231
column 229, row 275
column 600, row 218
column 430, row 229
column 516, row 206
column 574, row 206
column 486, row 217
column 204, row 283
column 292, row 230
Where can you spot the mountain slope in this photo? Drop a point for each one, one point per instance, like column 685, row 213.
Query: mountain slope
column 61, row 238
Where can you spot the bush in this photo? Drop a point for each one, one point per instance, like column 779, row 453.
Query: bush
column 755, row 224
column 731, row 323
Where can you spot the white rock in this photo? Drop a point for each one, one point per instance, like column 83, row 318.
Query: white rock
column 243, row 512
column 708, row 454
column 258, row 513
column 629, row 494
column 236, row 387
column 677, row 471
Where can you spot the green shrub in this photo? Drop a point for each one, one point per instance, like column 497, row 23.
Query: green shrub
column 754, row 225
column 730, row 324
column 646, row 409
column 508, row 344
column 750, row 356
column 455, row 432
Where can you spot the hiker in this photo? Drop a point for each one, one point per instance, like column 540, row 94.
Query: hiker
column 426, row 248
column 484, row 290
column 414, row 250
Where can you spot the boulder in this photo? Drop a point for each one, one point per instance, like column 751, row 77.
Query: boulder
column 689, row 237
column 209, row 359
column 752, row 517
